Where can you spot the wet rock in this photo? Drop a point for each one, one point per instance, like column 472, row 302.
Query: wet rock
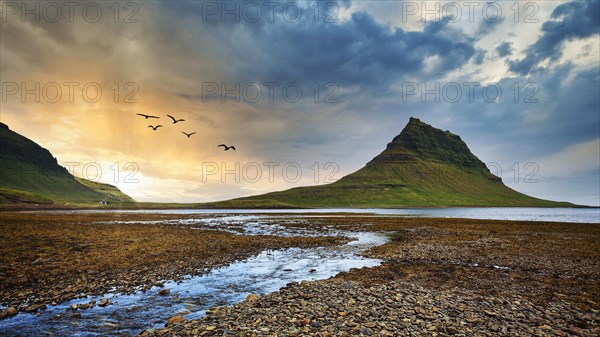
column 452, row 330
column 34, row 308
column 213, row 311
column 74, row 306
column 366, row 332
column 251, row 297
column 164, row 292
column 38, row 262
column 9, row 312
column 22, row 279
column 175, row 320
column 490, row 313
column 103, row 302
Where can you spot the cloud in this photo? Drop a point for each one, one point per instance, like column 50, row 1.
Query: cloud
column 488, row 26
column 568, row 174
column 479, row 57
column 504, row 49
column 570, row 21
column 175, row 48
column 355, row 52
column 574, row 159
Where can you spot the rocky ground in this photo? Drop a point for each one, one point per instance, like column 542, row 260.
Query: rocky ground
column 441, row 277
column 51, row 258
column 346, row 308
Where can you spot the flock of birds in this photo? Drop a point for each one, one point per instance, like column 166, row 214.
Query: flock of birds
column 175, row 121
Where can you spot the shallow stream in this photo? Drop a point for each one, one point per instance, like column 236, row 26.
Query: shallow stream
column 128, row 315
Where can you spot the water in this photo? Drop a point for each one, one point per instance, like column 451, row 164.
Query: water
column 582, row 215
column 267, row 272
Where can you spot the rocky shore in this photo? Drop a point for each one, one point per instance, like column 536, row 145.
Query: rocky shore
column 349, row 308
column 47, row 259
column 442, row 277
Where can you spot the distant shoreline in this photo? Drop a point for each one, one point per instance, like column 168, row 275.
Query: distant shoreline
column 589, row 215
column 166, row 206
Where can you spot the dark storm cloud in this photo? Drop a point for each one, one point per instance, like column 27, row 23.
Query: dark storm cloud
column 358, row 51
column 479, row 57
column 561, row 110
column 577, row 111
column 504, row 49
column 573, row 20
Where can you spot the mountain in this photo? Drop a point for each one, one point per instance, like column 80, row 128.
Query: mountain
column 421, row 167
column 29, row 174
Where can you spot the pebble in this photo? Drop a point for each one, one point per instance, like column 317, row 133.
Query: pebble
column 330, row 308
column 175, row 320
column 251, row 298
column 9, row 312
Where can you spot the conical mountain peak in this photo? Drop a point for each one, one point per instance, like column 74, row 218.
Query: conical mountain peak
column 421, row 141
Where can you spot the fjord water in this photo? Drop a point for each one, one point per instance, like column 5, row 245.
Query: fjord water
column 128, row 315
column 582, row 215
column 562, row 214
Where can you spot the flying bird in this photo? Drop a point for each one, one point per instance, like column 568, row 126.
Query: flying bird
column 188, row 134
column 175, row 120
column 227, row 147
column 154, row 127
column 147, row 116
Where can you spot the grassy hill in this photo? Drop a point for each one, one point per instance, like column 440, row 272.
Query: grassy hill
column 422, row 167
column 29, row 174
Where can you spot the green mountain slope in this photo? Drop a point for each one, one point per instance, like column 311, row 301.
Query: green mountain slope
column 29, row 174
column 422, row 167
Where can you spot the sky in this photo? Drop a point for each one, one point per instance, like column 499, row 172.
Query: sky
column 307, row 91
